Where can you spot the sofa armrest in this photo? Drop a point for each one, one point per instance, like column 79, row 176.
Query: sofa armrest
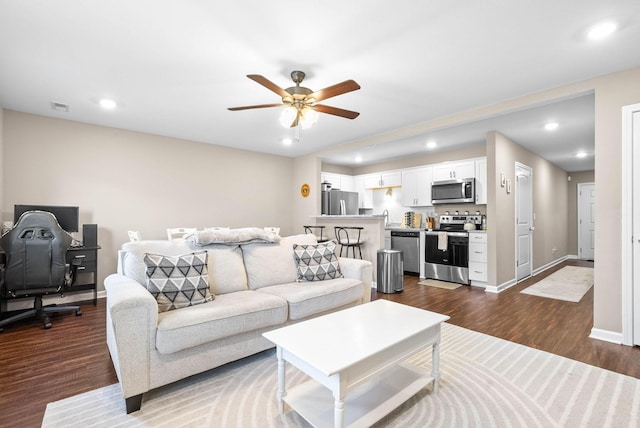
column 132, row 320
column 358, row 269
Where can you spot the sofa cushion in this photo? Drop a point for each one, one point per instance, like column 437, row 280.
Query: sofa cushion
column 317, row 262
column 225, row 266
column 227, row 315
column 271, row 264
column 307, row 299
column 226, row 269
column 178, row 281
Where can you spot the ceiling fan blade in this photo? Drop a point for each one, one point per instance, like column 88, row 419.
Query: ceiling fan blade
column 269, row 85
column 332, row 91
column 256, row 106
column 335, row 111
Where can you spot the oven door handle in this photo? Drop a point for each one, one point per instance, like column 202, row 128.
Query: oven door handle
column 456, row 234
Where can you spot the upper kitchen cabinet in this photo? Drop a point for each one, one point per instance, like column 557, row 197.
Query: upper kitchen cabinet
column 365, row 196
column 338, row 181
column 454, row 170
column 383, row 179
column 416, row 186
column 481, row 181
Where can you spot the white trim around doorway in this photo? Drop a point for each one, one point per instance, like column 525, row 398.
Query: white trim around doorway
column 627, row 223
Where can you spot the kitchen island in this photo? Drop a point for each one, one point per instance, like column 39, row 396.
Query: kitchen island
column 372, row 233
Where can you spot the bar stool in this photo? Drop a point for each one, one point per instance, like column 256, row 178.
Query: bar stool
column 349, row 241
column 310, row 230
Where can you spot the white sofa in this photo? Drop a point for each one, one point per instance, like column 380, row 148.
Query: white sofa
column 255, row 290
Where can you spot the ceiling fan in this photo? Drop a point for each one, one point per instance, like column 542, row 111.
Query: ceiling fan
column 301, row 102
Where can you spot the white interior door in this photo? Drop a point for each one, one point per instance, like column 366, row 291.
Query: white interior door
column 586, row 220
column 636, row 227
column 524, row 223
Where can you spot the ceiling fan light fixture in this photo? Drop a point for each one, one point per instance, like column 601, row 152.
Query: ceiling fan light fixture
column 288, row 115
column 309, row 118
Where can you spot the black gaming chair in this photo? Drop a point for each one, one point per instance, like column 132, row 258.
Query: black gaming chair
column 35, row 264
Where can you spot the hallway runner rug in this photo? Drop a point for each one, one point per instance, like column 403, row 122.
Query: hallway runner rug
column 486, row 382
column 570, row 283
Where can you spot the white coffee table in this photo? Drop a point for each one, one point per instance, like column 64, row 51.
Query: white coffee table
column 357, row 361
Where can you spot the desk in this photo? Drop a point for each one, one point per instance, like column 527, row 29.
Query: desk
column 84, row 264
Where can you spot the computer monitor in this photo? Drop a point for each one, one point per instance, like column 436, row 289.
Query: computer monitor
column 68, row 217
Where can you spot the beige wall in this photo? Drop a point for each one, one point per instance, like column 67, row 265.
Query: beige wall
column 306, row 170
column 125, row 180
column 549, row 239
column 612, row 93
column 572, row 217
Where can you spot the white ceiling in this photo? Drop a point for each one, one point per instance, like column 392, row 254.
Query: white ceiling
column 175, row 67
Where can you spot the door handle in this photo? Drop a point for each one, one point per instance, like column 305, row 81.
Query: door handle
column 532, row 228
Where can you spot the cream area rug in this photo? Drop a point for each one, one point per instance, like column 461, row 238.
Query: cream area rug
column 570, row 283
column 439, row 284
column 485, row 382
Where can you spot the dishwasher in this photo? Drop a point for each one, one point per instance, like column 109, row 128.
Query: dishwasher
column 409, row 243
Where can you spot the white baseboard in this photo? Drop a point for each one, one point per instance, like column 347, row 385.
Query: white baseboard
column 572, row 257
column 512, row 282
column 606, row 335
column 501, row 287
column 549, row 265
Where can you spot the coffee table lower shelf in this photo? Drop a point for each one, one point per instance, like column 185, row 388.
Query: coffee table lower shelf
column 364, row 405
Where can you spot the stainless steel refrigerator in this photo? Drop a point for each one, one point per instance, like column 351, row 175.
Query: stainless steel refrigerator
column 339, row 202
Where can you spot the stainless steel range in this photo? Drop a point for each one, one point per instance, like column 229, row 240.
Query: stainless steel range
column 447, row 248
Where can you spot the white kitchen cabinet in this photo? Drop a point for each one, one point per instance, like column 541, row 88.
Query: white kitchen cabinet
column 347, row 183
column 478, row 258
column 416, row 186
column 454, row 170
column 481, row 181
column 338, row 181
column 365, row 196
column 330, row 177
column 383, row 179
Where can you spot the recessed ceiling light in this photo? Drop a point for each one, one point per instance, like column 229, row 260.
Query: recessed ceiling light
column 358, row 159
column 581, row 155
column 602, row 30
column 287, row 141
column 108, row 104
column 551, row 126
column 432, row 145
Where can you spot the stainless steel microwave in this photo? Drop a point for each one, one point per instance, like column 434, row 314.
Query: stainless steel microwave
column 462, row 191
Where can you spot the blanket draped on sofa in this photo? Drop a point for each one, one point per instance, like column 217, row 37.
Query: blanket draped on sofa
column 244, row 235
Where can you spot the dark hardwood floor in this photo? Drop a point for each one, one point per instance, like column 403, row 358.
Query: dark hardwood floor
column 39, row 366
